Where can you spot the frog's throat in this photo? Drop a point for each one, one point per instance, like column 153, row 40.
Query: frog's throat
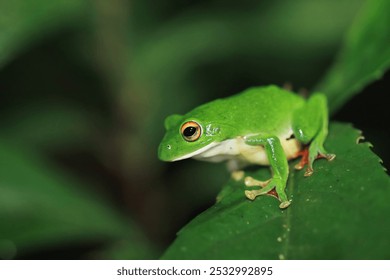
column 197, row 152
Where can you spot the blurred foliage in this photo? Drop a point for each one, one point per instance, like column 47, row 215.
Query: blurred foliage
column 85, row 86
column 25, row 22
column 364, row 57
column 39, row 207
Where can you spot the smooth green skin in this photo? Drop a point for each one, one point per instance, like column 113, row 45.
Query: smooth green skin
column 259, row 115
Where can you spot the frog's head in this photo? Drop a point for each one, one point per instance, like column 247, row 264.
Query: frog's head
column 186, row 137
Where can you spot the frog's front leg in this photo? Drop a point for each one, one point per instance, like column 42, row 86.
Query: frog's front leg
column 279, row 166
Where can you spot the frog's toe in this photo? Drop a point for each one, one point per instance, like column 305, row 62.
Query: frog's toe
column 330, row 157
column 309, row 171
column 251, row 182
column 304, row 154
column 251, row 194
column 284, row 204
column 237, row 175
column 325, row 155
column 300, row 165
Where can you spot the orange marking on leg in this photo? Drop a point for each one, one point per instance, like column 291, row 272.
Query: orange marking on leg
column 304, row 153
column 273, row 193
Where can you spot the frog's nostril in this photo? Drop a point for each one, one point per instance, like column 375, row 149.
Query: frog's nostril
column 169, row 147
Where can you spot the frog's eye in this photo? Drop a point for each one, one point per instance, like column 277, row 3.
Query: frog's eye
column 191, row 131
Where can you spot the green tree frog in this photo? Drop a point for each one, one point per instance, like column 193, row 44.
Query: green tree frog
column 259, row 126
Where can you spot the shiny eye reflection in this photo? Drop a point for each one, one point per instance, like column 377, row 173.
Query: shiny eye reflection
column 191, row 131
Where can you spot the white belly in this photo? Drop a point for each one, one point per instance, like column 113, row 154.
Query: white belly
column 240, row 154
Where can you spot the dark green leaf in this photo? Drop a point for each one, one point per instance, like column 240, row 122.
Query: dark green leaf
column 337, row 213
column 364, row 57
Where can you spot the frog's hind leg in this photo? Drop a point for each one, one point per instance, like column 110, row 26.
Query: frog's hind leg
column 310, row 126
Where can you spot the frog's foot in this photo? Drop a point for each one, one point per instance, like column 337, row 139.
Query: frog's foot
column 237, row 175
column 251, row 182
column 304, row 154
column 316, row 151
column 273, row 187
column 309, row 155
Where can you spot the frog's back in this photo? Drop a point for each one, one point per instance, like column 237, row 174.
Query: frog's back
column 256, row 110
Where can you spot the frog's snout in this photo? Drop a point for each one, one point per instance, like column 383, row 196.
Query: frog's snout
column 164, row 152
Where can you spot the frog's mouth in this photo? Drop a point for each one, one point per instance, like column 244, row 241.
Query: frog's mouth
column 197, row 152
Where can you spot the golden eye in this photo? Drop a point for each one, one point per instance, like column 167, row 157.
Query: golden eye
column 191, row 131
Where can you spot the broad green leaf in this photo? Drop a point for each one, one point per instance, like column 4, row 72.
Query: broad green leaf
column 40, row 208
column 22, row 22
column 337, row 213
column 364, row 57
